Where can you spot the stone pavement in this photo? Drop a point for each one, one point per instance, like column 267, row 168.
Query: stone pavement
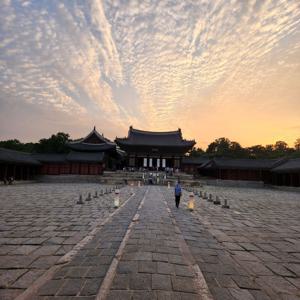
column 40, row 223
column 152, row 264
column 250, row 251
column 148, row 249
column 136, row 255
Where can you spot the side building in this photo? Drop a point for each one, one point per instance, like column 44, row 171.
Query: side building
column 154, row 150
column 88, row 156
column 17, row 165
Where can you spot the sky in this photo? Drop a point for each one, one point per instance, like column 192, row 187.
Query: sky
column 213, row 68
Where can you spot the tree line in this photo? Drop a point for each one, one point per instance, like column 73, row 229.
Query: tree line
column 56, row 143
column 221, row 147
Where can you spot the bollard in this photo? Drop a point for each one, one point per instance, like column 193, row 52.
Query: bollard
column 225, row 205
column 191, row 202
column 210, row 199
column 101, row 193
column 169, row 186
column 96, row 194
column 131, row 188
column 205, row 196
column 80, row 200
column 217, row 201
column 89, row 198
column 139, row 183
column 117, row 199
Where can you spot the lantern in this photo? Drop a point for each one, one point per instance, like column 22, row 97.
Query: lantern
column 191, row 202
column 117, row 199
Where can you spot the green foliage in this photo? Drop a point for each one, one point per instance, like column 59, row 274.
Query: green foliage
column 196, row 152
column 55, row 144
column 297, row 145
column 223, row 147
column 17, row 145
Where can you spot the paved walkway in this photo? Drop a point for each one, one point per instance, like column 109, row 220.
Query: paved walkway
column 138, row 254
column 150, row 250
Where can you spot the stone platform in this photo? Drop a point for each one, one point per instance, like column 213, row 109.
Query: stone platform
column 148, row 249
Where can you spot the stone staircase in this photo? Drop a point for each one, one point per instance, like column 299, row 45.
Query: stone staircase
column 160, row 178
column 123, row 177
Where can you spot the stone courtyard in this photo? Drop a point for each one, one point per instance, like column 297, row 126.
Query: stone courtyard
column 53, row 248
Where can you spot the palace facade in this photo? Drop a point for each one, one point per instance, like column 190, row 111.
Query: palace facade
column 149, row 150
column 154, row 150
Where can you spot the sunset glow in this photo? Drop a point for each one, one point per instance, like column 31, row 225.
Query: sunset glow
column 212, row 68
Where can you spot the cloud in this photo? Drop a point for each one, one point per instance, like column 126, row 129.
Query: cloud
column 175, row 62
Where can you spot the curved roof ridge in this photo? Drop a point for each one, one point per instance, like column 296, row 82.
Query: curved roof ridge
column 155, row 132
column 94, row 131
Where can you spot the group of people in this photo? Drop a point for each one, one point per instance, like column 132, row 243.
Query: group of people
column 9, row 180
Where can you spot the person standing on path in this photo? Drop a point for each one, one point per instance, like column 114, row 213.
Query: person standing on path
column 177, row 194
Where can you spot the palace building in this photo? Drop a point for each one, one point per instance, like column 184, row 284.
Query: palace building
column 149, row 150
column 88, row 156
column 154, row 150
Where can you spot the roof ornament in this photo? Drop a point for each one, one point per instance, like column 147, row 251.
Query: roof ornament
column 94, row 128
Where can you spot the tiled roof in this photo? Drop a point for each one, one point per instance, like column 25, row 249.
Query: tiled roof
column 91, row 147
column 17, row 157
column 291, row 165
column 73, row 156
column 85, row 157
column 94, row 141
column 195, row 160
column 242, row 163
column 149, row 138
column 50, row 157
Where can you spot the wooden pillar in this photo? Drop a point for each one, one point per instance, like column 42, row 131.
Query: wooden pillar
column 21, row 172
column 27, row 172
column 14, row 172
column 5, row 172
column 131, row 161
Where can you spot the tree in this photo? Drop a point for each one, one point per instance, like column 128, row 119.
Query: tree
column 195, row 152
column 236, row 150
column 11, row 144
column 280, row 146
column 220, row 147
column 257, row 151
column 297, row 145
column 55, row 144
column 17, row 145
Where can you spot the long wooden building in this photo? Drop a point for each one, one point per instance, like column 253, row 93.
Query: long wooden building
column 283, row 171
column 17, row 165
column 154, row 150
column 287, row 173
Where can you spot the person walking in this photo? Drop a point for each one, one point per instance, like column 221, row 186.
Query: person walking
column 177, row 194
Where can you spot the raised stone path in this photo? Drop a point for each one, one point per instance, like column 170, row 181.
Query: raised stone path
column 149, row 249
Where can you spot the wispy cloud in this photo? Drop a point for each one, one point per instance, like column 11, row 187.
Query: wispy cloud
column 182, row 60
